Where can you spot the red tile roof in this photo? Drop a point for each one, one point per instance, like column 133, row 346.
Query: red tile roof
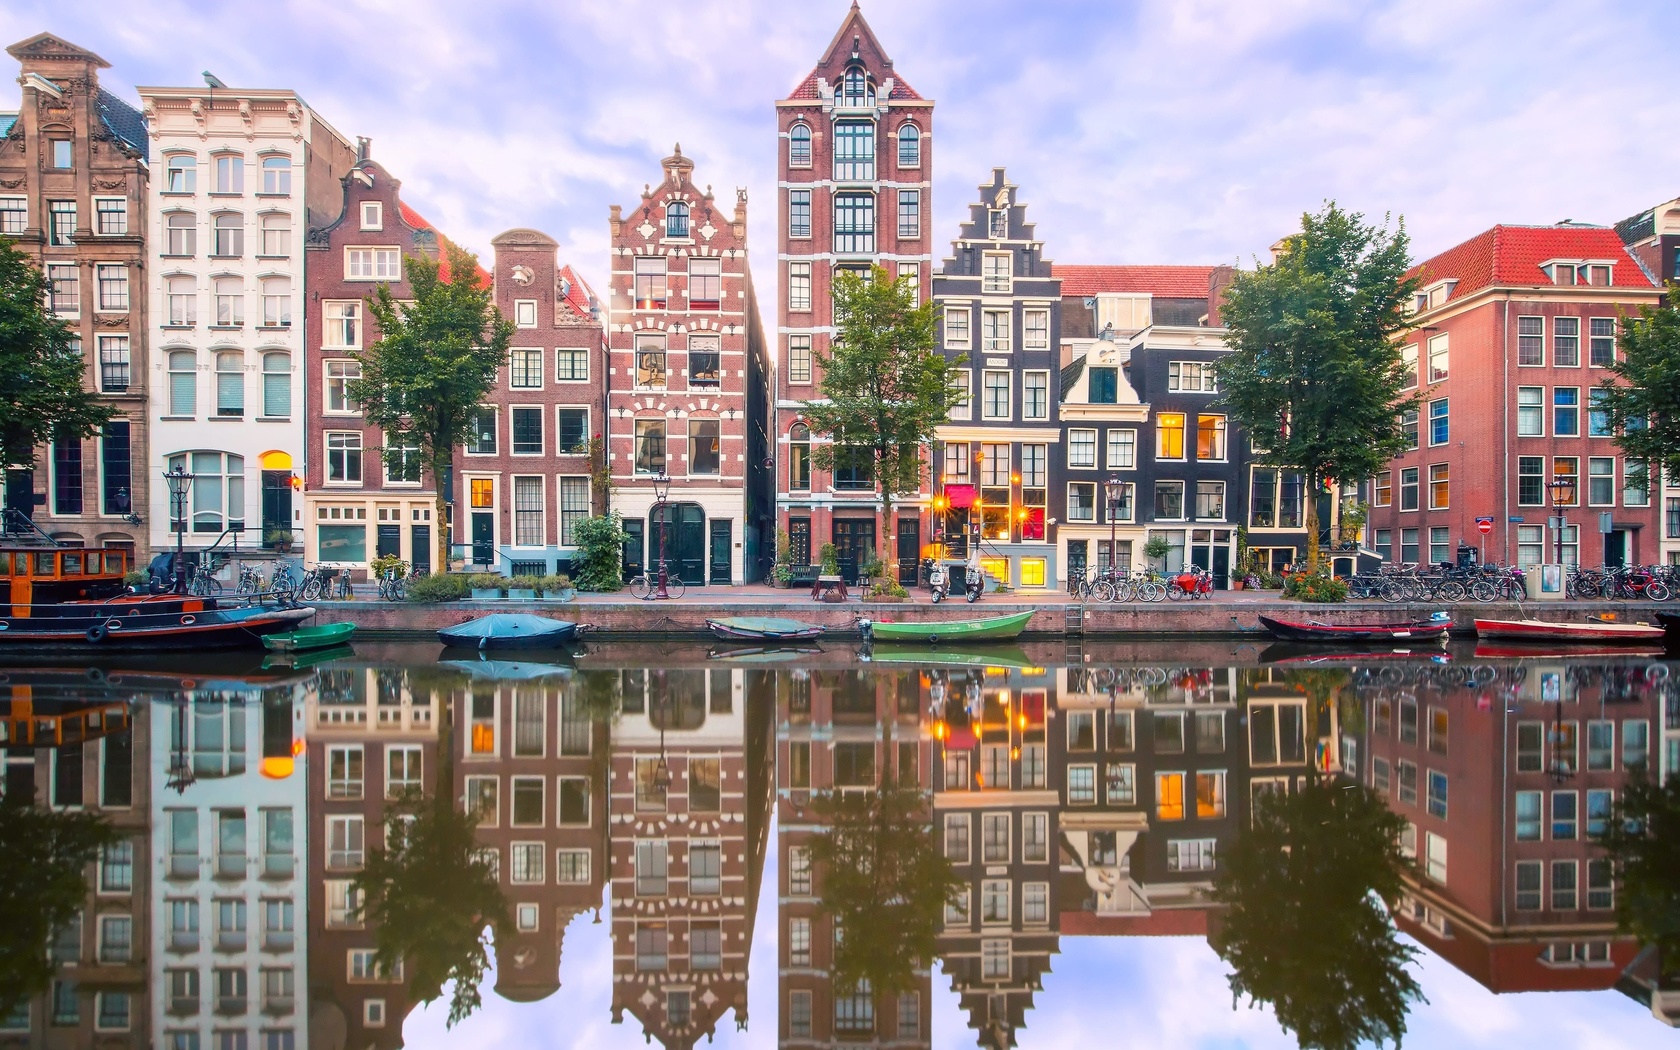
column 807, row 89
column 418, row 222
column 579, row 293
column 1511, row 255
column 1168, row 282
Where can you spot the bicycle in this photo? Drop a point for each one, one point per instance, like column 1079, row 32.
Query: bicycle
column 203, row 582
column 646, row 586
column 393, row 586
column 250, row 581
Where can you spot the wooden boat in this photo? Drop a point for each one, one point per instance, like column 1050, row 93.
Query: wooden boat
column 320, row 636
column 56, row 598
column 990, row 629
column 1315, row 631
column 1555, row 631
column 1548, row 650
column 509, row 631
column 1011, row 657
column 763, row 628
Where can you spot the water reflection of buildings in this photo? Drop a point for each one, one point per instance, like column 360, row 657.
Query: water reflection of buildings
column 1504, row 771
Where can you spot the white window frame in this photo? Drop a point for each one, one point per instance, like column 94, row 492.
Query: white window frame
column 1082, row 432
column 372, row 215
column 986, row 407
column 1127, row 445
column 957, row 335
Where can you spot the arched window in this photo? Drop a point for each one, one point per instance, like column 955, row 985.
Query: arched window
column 676, row 219
column 218, row 488
column 277, row 384
column 909, row 146
column 183, row 383
column 855, row 89
column 799, row 458
column 183, row 174
column 230, row 172
column 277, row 175
column 230, row 383
column 799, row 146
column 276, row 234
column 182, row 233
column 229, row 235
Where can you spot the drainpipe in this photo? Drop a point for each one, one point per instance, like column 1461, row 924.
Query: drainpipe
column 1505, row 437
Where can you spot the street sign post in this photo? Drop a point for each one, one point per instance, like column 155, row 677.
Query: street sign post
column 1483, row 526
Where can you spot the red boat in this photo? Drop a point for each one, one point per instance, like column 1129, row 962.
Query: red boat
column 1315, row 631
column 1601, row 633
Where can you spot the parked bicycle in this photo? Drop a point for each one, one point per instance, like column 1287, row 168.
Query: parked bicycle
column 1195, row 582
column 646, row 586
column 250, row 581
column 325, row 585
column 393, row 586
column 203, row 581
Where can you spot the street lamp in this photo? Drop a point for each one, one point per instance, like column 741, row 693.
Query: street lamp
column 124, row 505
column 180, row 483
column 661, row 490
column 1563, row 494
column 1112, row 489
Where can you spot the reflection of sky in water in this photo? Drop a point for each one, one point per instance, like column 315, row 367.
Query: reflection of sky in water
column 1162, row 992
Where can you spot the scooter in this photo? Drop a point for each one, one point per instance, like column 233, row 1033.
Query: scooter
column 973, row 582
column 939, row 580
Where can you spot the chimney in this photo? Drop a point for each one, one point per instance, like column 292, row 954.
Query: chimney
column 1218, row 281
column 364, row 148
column 616, row 219
column 740, row 223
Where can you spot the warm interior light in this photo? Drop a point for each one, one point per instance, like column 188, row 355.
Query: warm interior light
column 278, row 767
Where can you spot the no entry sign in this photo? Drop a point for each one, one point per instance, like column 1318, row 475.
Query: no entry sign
column 1484, row 525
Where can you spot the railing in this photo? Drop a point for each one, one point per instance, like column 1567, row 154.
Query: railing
column 15, row 522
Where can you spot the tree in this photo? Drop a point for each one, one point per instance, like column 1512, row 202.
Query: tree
column 599, row 565
column 43, row 885
column 1316, row 376
column 884, row 882
column 41, row 368
column 1642, row 838
column 1307, row 892
column 1644, row 408
column 435, row 360
column 885, row 389
column 430, row 894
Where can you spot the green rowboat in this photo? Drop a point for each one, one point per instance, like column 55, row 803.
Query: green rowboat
column 991, row 629
column 320, row 636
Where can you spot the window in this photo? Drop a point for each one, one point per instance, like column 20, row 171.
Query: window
column 64, row 289
column 956, row 837
column 1191, row 377
column 1210, row 500
column 1169, row 435
column 1437, row 797
column 854, row 151
column 799, row 286
column 228, row 295
column 799, row 458
column 1437, row 358
column 650, row 446
column 995, row 403
column 1566, row 342
column 1565, row 816
column 116, row 938
column 910, row 275
column 1409, row 428
column 1169, row 501
column 799, row 359
column 183, row 174
column 344, row 772
column 1600, row 803
column 1566, row 411
column 1439, row 486
column 372, row 264
column 181, row 234
column 111, row 1012
column 344, row 457
column 527, row 866
column 338, row 375
column 1601, row 345
column 1439, row 546
column 116, row 867
column 572, row 429
column 704, row 357
column 571, row 365
column 996, row 272
column 227, row 236
column 111, row 214
column 230, row 173
column 61, row 223
column 705, row 869
column 1169, row 796
column 343, row 325
column 232, row 924
column 909, row 146
column 1103, row 386
column 1082, row 448
column 704, row 447
column 1409, row 488
column 705, row 285
column 1635, row 483
column 113, row 364
column 1531, row 341
column 650, row 282
column 650, row 362
column 183, row 378
column 1531, row 411
column 799, row 213
column 344, row 842
column 277, row 302
column 1635, row 744
column 527, row 506
column 956, row 328
column 527, row 431
column 113, row 287
column 14, row 214
column 230, row 383
column 1438, row 422
column 1564, row 874
column 1600, row 884
column 1210, row 795
column 277, row 176
column 525, row 368
column 799, row 146
column 1190, row 855
column 910, row 214
column 60, row 153
column 854, row 222
column 994, row 901
column 1382, row 489
column 1435, row 857
column 1601, row 481
column 676, row 219
column 1528, row 885
column 1210, row 438
column 1568, row 468
column 1383, row 541
column 1531, row 481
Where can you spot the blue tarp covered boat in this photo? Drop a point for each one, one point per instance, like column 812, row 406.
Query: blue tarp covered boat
column 509, row 631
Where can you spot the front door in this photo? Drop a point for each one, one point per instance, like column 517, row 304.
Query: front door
column 1222, row 566
column 799, row 541
column 1078, row 556
column 388, row 541
column 634, row 564
column 484, row 537
column 722, row 544
column 276, row 504
column 909, row 551
column 20, row 491
column 854, row 539
column 1615, row 547
column 682, row 529
column 420, row 542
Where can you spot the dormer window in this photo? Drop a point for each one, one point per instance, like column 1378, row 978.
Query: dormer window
column 1563, row 273
column 1596, row 275
column 1436, row 294
column 855, row 89
column 676, row 219
column 373, row 215
column 799, row 146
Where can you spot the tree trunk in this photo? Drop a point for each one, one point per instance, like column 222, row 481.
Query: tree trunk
column 1312, row 523
column 440, row 528
column 884, row 543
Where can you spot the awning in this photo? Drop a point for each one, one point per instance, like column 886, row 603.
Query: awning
column 962, row 738
column 960, row 496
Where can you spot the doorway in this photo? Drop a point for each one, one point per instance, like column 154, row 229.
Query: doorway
column 634, row 563
column 799, row 541
column 722, row 544
column 276, row 503
column 20, row 491
column 684, row 529
column 481, row 498
column 854, row 541
column 1616, row 547
column 420, row 546
column 909, row 551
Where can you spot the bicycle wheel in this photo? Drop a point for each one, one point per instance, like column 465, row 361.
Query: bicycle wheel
column 674, row 585
column 640, row 587
column 1391, row 592
column 1412, row 589
column 311, row 588
column 1175, row 592
column 1125, row 591
column 1657, row 591
column 1157, row 592
column 1102, row 591
column 1483, row 590
column 1450, row 591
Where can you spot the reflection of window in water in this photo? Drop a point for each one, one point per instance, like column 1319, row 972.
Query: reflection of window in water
column 575, row 726
column 704, row 785
column 650, row 791
column 854, row 765
column 722, row 692
column 633, row 689
column 342, row 685
column 677, row 699
column 218, row 738
column 389, row 682
column 799, row 692
column 483, row 721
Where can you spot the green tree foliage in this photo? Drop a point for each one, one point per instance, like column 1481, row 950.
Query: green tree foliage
column 1643, row 840
column 1316, row 377
column 43, row 884
column 436, row 358
column 41, row 394
column 599, row 565
column 1644, row 408
column 429, row 896
column 884, row 882
column 1307, row 892
column 884, row 387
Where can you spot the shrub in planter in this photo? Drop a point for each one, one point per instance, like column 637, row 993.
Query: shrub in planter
column 438, row 587
column 600, row 559
column 558, row 586
column 782, row 572
column 887, row 589
column 525, row 588
column 829, row 557
column 387, row 563
column 488, row 584
column 1314, row 587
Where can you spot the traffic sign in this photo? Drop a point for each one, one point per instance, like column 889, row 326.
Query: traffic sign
column 1484, row 525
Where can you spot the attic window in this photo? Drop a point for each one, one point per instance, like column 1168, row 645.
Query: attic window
column 1562, row 273
column 855, row 89
column 1441, row 292
column 1597, row 275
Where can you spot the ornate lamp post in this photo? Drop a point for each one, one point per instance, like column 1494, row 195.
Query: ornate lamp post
column 1112, row 488
column 1563, row 494
column 661, row 493
column 180, row 484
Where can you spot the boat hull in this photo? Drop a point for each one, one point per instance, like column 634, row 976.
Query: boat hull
column 763, row 629
column 147, row 626
column 324, row 636
column 991, row 629
column 1554, row 631
column 509, row 631
column 1413, row 631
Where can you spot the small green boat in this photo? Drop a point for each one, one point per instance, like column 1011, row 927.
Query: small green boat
column 991, row 629
column 922, row 655
column 320, row 636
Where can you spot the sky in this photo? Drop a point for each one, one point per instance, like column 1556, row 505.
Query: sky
column 1140, row 131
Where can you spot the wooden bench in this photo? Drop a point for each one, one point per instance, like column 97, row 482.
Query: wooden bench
column 804, row 575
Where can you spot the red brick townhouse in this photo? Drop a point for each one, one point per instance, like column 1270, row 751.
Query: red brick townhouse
column 1514, row 328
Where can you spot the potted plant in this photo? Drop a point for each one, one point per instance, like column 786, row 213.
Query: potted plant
column 829, row 557
column 782, row 571
column 1157, row 548
column 524, row 588
column 558, row 586
column 279, row 540
column 487, row 585
column 887, row 589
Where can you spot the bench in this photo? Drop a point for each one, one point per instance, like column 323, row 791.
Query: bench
column 804, row 575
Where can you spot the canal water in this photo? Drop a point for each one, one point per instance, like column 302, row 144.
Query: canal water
column 1186, row 844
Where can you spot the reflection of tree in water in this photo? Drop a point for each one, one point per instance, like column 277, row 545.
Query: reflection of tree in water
column 1643, row 840
column 1308, row 889
column 884, row 883
column 43, row 886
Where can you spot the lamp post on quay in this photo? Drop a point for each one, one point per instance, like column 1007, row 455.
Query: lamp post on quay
column 180, row 484
column 1563, row 494
column 661, row 492
column 1112, row 488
